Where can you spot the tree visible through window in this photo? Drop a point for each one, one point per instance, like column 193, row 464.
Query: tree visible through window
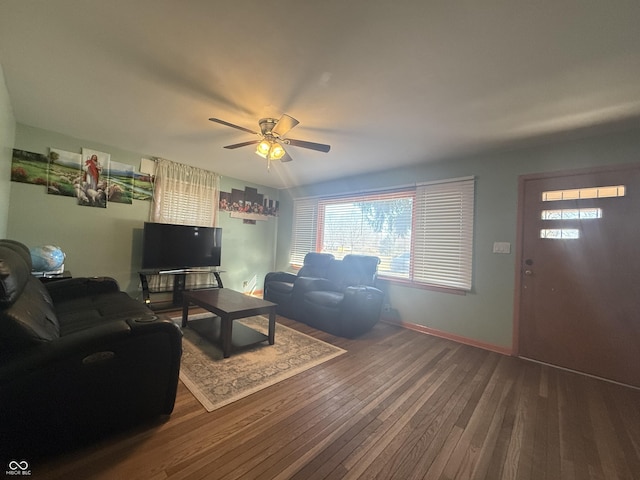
column 370, row 225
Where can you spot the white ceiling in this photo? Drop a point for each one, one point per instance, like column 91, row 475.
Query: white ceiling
column 386, row 83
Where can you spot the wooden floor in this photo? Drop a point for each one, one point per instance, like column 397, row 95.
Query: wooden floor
column 399, row 404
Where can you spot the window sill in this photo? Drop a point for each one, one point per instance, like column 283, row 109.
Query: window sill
column 422, row 286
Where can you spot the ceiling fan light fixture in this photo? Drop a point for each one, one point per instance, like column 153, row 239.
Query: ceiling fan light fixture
column 270, row 149
column 276, row 152
column 263, row 148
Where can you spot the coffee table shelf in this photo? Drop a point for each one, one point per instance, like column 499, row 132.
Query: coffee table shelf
column 241, row 336
column 229, row 305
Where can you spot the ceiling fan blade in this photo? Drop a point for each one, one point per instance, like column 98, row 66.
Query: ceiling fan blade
column 222, row 122
column 286, row 123
column 243, row 144
column 286, row 158
column 320, row 147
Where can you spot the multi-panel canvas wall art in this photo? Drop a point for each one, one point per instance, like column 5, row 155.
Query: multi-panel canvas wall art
column 90, row 177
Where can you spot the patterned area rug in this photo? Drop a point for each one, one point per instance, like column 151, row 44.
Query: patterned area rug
column 216, row 381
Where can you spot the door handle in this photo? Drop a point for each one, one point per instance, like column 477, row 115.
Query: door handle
column 528, row 272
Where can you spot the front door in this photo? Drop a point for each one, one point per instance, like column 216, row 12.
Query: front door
column 579, row 298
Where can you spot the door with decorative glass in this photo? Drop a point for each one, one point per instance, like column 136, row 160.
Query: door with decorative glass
column 579, row 272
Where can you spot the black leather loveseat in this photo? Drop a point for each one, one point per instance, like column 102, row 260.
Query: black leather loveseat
column 78, row 359
column 337, row 296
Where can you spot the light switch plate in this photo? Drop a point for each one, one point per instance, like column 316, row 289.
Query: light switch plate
column 501, row 247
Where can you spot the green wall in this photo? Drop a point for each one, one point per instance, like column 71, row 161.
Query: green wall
column 484, row 315
column 248, row 251
column 107, row 241
column 7, row 136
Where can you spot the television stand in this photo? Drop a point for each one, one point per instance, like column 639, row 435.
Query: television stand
column 179, row 284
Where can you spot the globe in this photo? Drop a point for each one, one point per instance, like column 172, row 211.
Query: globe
column 47, row 258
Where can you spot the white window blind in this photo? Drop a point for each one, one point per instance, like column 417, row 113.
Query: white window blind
column 443, row 236
column 179, row 206
column 305, row 215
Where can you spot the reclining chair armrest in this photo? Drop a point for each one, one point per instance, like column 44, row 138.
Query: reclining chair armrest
column 360, row 310
column 150, row 324
column 363, row 292
column 71, row 288
column 280, row 277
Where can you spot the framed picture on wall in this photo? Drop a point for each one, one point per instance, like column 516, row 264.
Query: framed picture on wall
column 29, row 167
column 120, row 188
column 95, row 174
column 64, row 175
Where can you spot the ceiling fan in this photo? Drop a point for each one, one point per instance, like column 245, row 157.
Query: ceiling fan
column 271, row 138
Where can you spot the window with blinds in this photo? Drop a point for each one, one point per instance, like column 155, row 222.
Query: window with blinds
column 422, row 234
column 443, row 240
column 305, row 214
column 184, row 194
column 180, row 206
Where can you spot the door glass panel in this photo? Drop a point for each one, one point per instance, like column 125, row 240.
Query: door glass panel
column 560, row 233
column 572, row 214
column 584, row 193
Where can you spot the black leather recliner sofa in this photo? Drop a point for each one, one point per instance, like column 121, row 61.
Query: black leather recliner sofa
column 337, row 296
column 78, row 359
column 279, row 286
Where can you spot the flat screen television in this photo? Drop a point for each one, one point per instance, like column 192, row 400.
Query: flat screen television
column 175, row 247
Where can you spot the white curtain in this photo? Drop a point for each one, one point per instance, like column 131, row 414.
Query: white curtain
column 184, row 195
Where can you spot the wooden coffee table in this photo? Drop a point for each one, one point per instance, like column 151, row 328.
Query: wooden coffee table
column 229, row 305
